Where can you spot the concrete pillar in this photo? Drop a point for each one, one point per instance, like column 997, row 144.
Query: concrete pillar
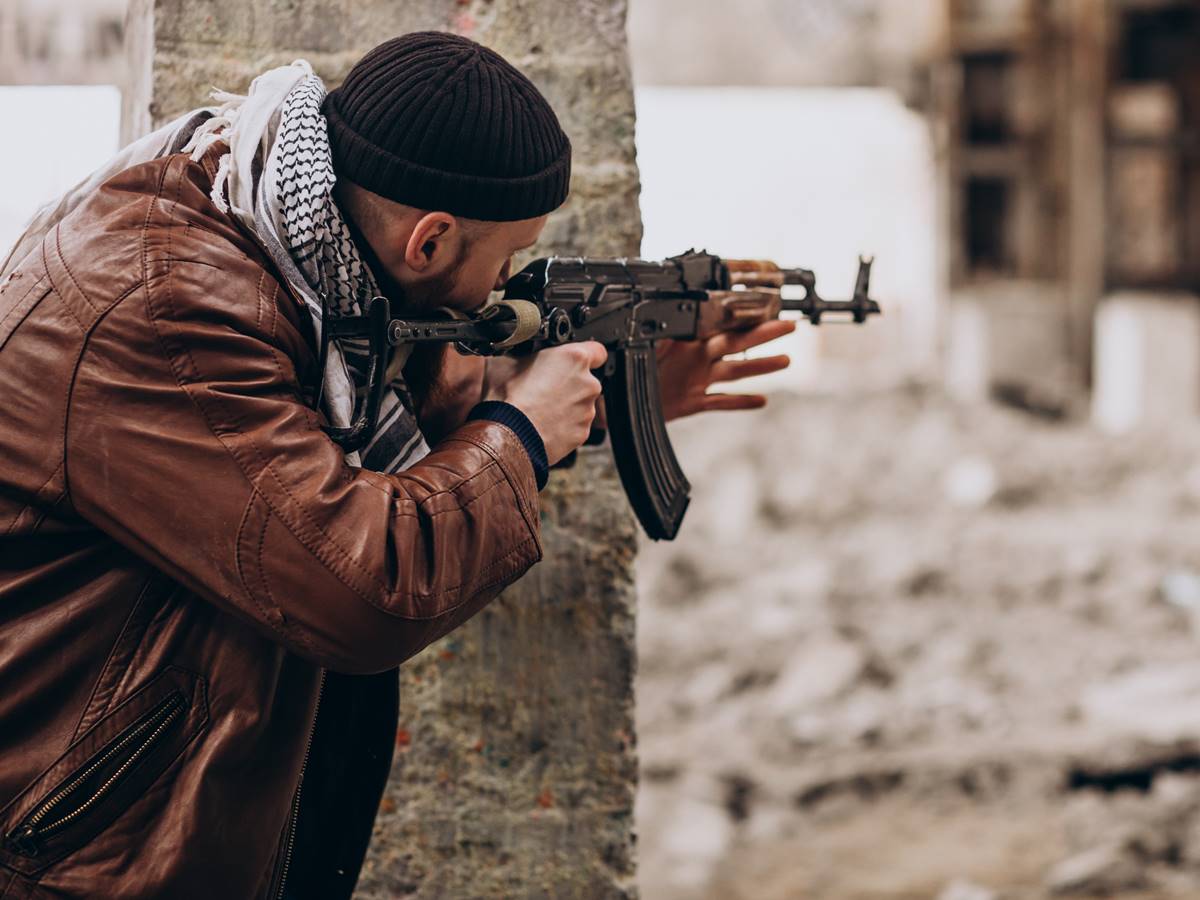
column 1009, row 340
column 1088, row 53
column 1147, row 360
column 967, row 372
column 515, row 768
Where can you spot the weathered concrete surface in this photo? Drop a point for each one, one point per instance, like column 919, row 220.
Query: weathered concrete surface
column 1010, row 340
column 1146, row 365
column 515, row 769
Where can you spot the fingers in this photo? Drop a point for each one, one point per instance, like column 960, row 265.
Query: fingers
column 733, row 401
column 720, row 402
column 601, row 420
column 736, row 341
column 733, row 369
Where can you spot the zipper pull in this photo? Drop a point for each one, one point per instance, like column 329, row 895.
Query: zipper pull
column 24, row 841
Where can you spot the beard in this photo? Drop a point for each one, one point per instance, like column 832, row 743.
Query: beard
column 457, row 288
column 427, row 296
column 426, row 361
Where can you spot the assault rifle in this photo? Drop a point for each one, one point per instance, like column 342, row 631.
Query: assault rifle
column 627, row 305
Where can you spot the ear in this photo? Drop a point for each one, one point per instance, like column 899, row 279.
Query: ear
column 432, row 242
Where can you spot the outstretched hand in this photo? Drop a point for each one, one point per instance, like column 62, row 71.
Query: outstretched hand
column 687, row 369
column 453, row 383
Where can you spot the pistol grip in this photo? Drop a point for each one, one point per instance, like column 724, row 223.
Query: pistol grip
column 595, row 436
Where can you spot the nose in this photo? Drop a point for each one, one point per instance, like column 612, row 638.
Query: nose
column 502, row 278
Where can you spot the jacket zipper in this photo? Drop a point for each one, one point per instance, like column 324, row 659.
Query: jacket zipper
column 291, row 831
column 141, row 736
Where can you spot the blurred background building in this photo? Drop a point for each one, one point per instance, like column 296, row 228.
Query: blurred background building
column 929, row 630
column 62, row 41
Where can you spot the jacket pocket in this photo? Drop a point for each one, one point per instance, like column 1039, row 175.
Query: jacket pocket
column 153, row 600
column 103, row 773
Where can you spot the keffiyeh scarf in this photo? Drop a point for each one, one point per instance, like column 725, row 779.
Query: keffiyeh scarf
column 277, row 178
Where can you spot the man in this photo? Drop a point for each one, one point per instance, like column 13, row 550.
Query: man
column 203, row 599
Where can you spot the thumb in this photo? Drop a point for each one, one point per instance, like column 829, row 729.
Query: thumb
column 597, row 354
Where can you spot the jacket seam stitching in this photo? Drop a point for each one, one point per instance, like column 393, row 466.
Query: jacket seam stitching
column 67, row 268
column 441, row 492
column 44, row 513
column 12, row 311
column 28, row 506
column 258, row 557
column 133, row 610
column 87, row 332
column 258, row 296
column 522, row 503
column 403, row 513
column 493, row 452
column 154, row 626
column 158, row 189
column 194, row 262
column 238, row 556
column 67, row 401
column 54, row 287
column 459, row 603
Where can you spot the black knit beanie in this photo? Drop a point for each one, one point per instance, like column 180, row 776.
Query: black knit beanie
column 437, row 121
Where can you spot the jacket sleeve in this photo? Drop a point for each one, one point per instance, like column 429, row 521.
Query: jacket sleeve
column 188, row 442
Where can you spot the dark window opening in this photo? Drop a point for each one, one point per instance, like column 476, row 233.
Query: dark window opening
column 987, row 218
column 987, row 92
column 1157, row 44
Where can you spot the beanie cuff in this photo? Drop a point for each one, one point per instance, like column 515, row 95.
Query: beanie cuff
column 491, row 199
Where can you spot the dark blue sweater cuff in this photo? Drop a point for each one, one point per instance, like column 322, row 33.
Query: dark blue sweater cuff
column 507, row 414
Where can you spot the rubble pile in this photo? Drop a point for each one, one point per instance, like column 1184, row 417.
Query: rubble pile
column 908, row 649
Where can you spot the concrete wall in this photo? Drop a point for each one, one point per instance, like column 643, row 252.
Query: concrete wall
column 61, row 41
column 782, row 43
column 515, row 770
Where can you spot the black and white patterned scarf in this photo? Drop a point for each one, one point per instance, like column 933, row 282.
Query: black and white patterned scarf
column 277, row 178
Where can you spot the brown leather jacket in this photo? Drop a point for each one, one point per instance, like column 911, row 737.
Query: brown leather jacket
column 189, row 572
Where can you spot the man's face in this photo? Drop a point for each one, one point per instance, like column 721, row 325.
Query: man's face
column 482, row 265
column 431, row 258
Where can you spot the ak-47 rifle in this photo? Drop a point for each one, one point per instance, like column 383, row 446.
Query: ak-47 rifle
column 627, row 305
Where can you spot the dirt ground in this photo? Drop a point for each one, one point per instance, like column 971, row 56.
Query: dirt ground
column 908, row 649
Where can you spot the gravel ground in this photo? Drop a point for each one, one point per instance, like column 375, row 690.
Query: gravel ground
column 908, row 649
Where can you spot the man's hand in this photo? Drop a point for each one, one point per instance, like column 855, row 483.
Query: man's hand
column 556, row 390
column 687, row 369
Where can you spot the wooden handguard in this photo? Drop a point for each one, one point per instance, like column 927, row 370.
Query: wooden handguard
column 737, row 310
column 755, row 272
